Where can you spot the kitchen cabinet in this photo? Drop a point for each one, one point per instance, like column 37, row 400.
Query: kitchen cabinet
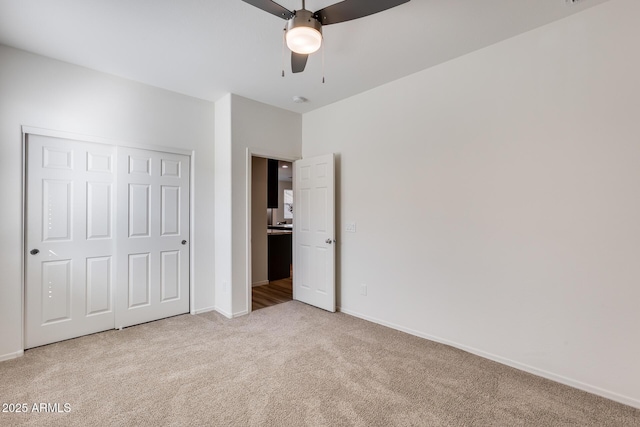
column 272, row 184
column 279, row 247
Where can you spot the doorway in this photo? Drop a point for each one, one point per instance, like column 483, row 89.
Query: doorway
column 313, row 235
column 271, row 232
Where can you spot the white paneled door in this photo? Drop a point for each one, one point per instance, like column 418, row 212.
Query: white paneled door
column 69, row 239
column 153, row 233
column 104, row 238
column 314, row 232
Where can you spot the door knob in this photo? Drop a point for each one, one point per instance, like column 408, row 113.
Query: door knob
column 329, row 241
column 34, row 251
column 184, row 242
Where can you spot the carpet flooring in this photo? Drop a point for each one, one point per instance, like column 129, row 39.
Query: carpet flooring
column 286, row 365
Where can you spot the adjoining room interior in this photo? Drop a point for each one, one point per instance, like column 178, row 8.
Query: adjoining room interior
column 271, row 231
column 484, row 220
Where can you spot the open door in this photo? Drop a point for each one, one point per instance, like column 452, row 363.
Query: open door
column 314, row 232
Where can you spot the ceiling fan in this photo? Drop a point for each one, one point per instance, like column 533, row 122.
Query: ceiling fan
column 304, row 28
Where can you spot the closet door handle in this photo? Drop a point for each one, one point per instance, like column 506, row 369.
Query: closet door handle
column 184, row 242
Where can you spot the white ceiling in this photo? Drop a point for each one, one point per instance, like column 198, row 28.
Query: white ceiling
column 206, row 48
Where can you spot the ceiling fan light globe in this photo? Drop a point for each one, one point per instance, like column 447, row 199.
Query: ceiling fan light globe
column 304, row 40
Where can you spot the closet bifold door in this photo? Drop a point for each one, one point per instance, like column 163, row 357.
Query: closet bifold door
column 153, row 234
column 70, row 239
column 106, row 237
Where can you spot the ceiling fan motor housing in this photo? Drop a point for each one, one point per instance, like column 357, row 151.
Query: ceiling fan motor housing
column 304, row 28
column 300, row 35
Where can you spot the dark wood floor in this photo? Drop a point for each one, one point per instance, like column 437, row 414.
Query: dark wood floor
column 275, row 292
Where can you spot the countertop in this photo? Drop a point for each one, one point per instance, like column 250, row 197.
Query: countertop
column 280, row 229
column 278, row 232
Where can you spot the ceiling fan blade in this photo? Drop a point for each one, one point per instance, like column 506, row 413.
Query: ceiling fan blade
column 353, row 9
column 271, row 7
column 298, row 62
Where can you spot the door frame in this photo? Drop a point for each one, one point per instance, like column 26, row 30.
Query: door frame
column 32, row 130
column 267, row 154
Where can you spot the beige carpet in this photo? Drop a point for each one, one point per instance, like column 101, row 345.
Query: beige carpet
column 287, row 365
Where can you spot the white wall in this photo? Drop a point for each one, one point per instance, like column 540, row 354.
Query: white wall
column 270, row 132
column 40, row 92
column 223, row 214
column 496, row 200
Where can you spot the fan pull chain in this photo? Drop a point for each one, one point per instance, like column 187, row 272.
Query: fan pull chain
column 322, row 46
column 284, row 34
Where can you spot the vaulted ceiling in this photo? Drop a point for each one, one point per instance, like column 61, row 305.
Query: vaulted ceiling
column 206, row 48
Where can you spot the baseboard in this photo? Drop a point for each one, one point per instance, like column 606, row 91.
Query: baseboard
column 12, row 355
column 512, row 363
column 240, row 313
column 203, row 310
column 260, row 283
column 224, row 313
column 231, row 315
